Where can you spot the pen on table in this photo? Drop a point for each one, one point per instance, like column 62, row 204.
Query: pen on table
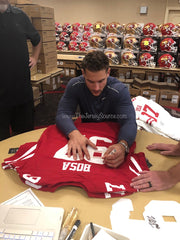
column 68, row 223
column 73, row 230
column 92, row 229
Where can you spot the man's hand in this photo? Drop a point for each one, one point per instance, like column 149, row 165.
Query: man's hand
column 114, row 156
column 78, row 145
column 32, row 62
column 149, row 181
column 166, row 149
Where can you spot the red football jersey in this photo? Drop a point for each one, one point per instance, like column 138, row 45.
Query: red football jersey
column 45, row 165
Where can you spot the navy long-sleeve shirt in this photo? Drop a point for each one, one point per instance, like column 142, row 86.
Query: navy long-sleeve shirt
column 113, row 104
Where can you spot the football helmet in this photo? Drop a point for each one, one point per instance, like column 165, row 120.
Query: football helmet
column 133, row 28
column 168, row 29
column 99, row 27
column 150, row 29
column 96, row 41
column 128, row 58
column 146, row 60
column 86, row 36
column 58, row 27
column 88, row 27
column 77, row 27
column 61, row 46
column 113, row 57
column 57, row 36
column 67, row 27
column 148, row 44
column 177, row 29
column 75, row 36
column 115, row 27
column 112, row 42
column 83, row 46
column 131, row 43
column 166, row 61
column 168, row 45
column 73, row 46
column 64, row 36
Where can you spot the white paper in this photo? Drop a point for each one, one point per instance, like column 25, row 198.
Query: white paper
column 26, row 198
column 103, row 235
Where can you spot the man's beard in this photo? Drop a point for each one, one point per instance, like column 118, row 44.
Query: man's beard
column 3, row 7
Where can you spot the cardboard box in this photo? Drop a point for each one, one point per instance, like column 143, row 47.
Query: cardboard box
column 47, row 57
column 97, row 228
column 46, row 68
column 33, row 70
column 36, row 96
column 134, row 92
column 48, row 47
column 169, row 98
column 37, row 11
column 138, row 74
column 44, row 24
column 47, row 36
column 150, row 94
column 13, row 2
column 66, row 64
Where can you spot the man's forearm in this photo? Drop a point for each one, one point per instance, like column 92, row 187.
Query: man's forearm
column 65, row 124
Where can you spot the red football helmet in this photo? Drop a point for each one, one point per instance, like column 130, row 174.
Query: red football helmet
column 150, row 29
column 61, row 46
column 113, row 57
column 64, row 36
column 73, row 46
column 58, row 27
column 168, row 45
column 75, row 36
column 88, row 27
column 146, row 60
column 148, row 44
column 86, row 36
column 83, row 46
column 128, row 58
column 166, row 61
column 67, row 27
column 168, row 29
column 77, row 27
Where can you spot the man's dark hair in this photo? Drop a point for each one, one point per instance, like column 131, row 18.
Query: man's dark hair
column 95, row 61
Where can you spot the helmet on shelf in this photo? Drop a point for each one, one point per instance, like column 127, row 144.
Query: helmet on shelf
column 131, row 43
column 86, row 36
column 67, row 27
column 148, row 44
column 128, row 58
column 133, row 28
column 113, row 57
column 96, row 41
column 168, row 29
column 83, row 46
column 166, row 61
column 58, row 27
column 61, row 45
column 88, row 27
column 75, row 36
column 73, row 46
column 168, row 45
column 64, row 36
column 115, row 27
column 99, row 27
column 146, row 60
column 112, row 42
column 77, row 27
column 150, row 29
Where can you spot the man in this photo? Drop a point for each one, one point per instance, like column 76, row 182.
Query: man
column 159, row 180
column 100, row 98
column 16, row 96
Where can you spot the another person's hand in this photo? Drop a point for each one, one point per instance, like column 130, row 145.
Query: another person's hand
column 32, row 62
column 166, row 149
column 114, row 156
column 149, row 181
column 78, row 145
